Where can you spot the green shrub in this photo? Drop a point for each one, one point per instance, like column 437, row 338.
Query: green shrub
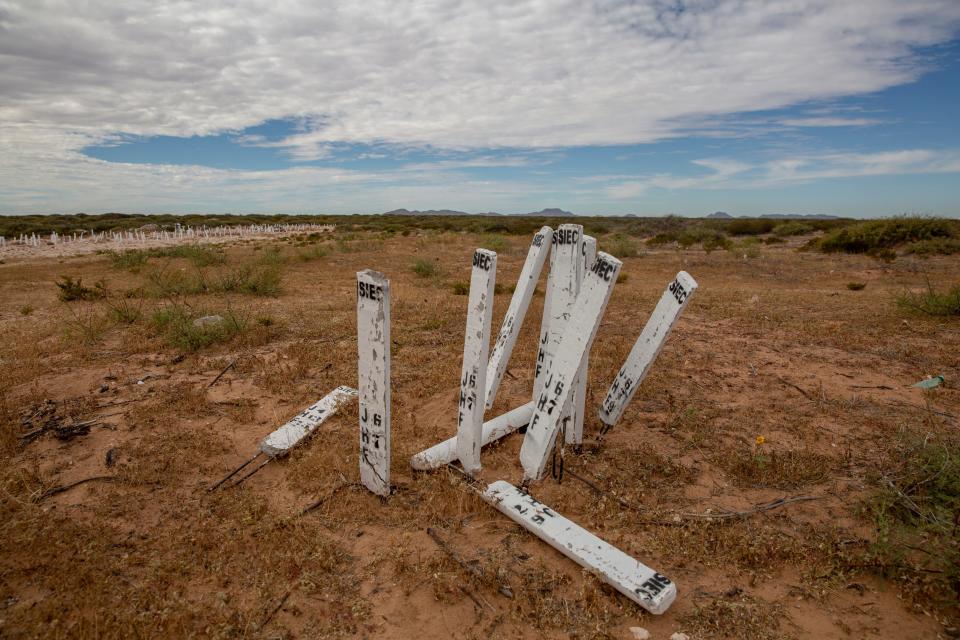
column 750, row 226
column 26, row 309
column 621, row 246
column 313, row 253
column 936, row 246
column 856, row 286
column 71, row 289
column 199, row 255
column 130, row 259
column 931, row 302
column 877, row 235
column 461, row 288
column 424, row 268
column 773, row 240
column 792, row 228
column 496, row 243
column 177, row 326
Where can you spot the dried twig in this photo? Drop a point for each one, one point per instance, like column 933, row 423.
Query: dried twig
column 66, row 487
column 600, row 491
column 337, row 489
column 273, row 611
column 220, row 375
column 767, row 506
column 472, row 569
column 790, row 384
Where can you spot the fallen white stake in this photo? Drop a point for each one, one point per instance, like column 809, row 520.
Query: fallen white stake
column 651, row 590
column 289, row 435
column 476, row 349
column 513, row 320
column 648, row 345
column 573, row 434
column 373, row 373
column 562, row 369
column 446, row 452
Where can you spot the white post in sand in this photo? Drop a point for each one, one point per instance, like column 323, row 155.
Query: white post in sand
column 476, row 347
column 513, row 320
column 648, row 345
column 573, row 434
column 373, row 372
column 561, row 370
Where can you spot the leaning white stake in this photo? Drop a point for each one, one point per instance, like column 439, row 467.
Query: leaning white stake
column 476, row 348
column 562, row 369
column 651, row 590
column 280, row 442
column 513, row 320
column 289, row 435
column 648, row 345
column 446, row 451
column 373, row 372
column 573, row 434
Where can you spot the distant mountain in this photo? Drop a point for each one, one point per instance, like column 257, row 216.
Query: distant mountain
column 546, row 213
column 549, row 213
column 720, row 214
column 799, row 216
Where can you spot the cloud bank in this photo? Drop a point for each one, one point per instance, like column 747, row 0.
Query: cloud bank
column 443, row 74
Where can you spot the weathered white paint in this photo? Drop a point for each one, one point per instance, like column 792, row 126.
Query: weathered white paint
column 651, row 590
column 373, row 342
column 563, row 283
column 573, row 434
column 286, row 437
column 648, row 345
column 446, row 451
column 513, row 320
column 561, row 370
column 476, row 350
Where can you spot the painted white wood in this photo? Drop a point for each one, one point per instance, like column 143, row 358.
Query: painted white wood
column 289, row 435
column 573, row 434
column 648, row 345
column 517, row 311
column 645, row 586
column 373, row 372
column 563, row 283
column 561, row 370
column 476, row 350
column 446, row 451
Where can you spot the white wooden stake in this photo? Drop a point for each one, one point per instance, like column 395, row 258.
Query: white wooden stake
column 561, row 371
column 566, row 261
column 476, row 349
column 513, row 320
column 446, row 451
column 573, row 434
column 651, row 590
column 289, row 435
column 373, row 342
column 645, row 350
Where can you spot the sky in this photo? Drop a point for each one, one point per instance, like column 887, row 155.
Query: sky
column 646, row 107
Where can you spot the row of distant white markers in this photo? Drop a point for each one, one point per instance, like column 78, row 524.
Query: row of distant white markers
column 579, row 285
column 179, row 232
column 578, row 289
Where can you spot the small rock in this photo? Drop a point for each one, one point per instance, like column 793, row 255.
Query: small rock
column 639, row 633
column 207, row 320
column 679, row 636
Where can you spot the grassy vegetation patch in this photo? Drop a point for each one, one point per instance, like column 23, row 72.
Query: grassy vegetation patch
column 774, row 469
column 425, row 268
column 931, row 302
column 192, row 330
column 877, row 236
column 70, row 289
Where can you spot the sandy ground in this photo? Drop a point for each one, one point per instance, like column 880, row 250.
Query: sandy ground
column 773, row 345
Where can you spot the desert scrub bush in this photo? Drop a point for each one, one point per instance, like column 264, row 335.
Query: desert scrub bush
column 198, row 255
column 772, row 469
column 792, row 228
column 934, row 247
column 932, row 302
column 131, row 259
column 124, row 310
column 460, row 288
column 71, row 289
column 258, row 280
column 915, row 506
column 750, row 226
column 877, row 236
column 313, row 252
column 746, row 247
column 180, row 328
column 26, row 309
column 425, row 268
column 856, row 286
column 621, row 246
column 497, row 243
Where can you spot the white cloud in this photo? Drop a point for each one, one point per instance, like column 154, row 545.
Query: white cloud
column 830, row 122
column 725, row 173
column 447, row 74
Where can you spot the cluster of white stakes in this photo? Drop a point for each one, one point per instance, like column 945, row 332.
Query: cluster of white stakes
column 177, row 234
column 579, row 285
